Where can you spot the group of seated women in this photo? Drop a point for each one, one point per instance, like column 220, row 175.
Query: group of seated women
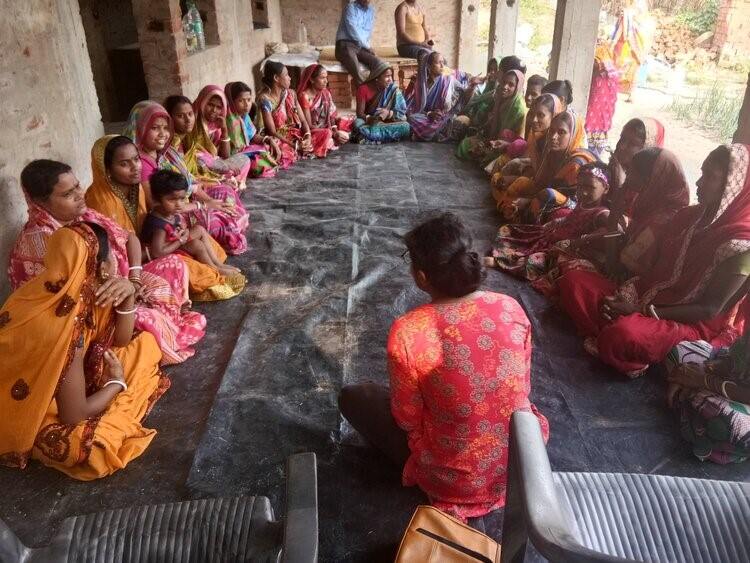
column 104, row 277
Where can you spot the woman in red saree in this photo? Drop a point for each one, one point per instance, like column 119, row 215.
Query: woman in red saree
column 602, row 99
column 55, row 199
column 316, row 102
column 282, row 115
column 694, row 289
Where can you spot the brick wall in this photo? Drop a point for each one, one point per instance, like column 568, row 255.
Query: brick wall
column 49, row 107
column 322, row 19
column 732, row 33
column 234, row 49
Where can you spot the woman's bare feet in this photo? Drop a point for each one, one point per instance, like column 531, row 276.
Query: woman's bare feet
column 226, row 270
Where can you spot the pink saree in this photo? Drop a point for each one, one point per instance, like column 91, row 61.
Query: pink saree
column 163, row 294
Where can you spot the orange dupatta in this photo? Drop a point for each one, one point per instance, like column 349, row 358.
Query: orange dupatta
column 55, row 313
column 206, row 284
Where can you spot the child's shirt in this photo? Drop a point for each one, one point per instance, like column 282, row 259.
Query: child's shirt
column 153, row 223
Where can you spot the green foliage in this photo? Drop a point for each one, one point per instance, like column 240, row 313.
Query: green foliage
column 700, row 20
column 715, row 109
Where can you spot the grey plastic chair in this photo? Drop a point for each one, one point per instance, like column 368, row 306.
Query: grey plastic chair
column 592, row 517
column 206, row 530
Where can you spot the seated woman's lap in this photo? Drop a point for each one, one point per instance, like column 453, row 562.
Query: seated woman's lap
column 636, row 341
column 367, row 407
column 581, row 293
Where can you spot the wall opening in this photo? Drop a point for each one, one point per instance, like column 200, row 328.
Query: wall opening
column 260, row 14
column 112, row 43
column 207, row 9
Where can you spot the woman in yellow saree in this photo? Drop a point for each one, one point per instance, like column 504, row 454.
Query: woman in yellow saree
column 68, row 398
column 116, row 192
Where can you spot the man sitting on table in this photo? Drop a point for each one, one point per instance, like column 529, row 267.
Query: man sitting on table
column 353, row 38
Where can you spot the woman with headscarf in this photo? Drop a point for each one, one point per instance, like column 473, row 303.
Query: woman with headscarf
column 696, row 286
column 116, row 192
column 75, row 382
column 658, row 182
column 631, row 42
column 522, row 168
column 317, row 104
column 243, row 135
column 215, row 206
column 435, row 98
column 504, row 125
column 381, row 109
column 602, row 99
column 526, row 251
column 548, row 195
column 55, row 199
column 207, row 147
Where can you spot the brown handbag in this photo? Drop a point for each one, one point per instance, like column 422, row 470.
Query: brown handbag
column 434, row 536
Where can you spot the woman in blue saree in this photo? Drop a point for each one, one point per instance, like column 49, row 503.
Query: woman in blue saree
column 381, row 109
column 436, row 98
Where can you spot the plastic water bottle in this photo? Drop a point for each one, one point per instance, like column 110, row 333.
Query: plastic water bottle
column 196, row 23
column 190, row 39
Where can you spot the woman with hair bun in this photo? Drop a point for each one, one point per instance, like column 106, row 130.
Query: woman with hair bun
column 459, row 367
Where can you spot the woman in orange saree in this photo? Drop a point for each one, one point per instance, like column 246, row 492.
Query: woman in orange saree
column 55, row 199
column 79, row 405
column 116, row 193
column 548, row 195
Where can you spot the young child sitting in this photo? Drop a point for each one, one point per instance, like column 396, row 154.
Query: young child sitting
column 165, row 231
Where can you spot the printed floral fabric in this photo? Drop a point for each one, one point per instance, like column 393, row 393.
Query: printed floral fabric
column 458, row 371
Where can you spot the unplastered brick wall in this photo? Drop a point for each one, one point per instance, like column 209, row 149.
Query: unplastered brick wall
column 49, row 106
column 234, row 50
column 321, row 18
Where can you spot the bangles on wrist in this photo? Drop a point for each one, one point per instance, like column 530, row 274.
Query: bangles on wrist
column 128, row 312
column 116, row 382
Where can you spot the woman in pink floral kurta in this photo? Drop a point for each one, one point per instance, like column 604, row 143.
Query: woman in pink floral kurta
column 459, row 367
column 458, row 371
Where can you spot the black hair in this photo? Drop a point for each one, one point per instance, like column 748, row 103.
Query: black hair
column 39, row 177
column 271, row 70
column 165, row 182
column 102, row 238
column 489, row 63
column 596, row 165
column 431, row 57
column 638, row 126
column 536, row 80
column 547, row 101
column 237, row 88
column 441, row 248
column 511, row 62
column 171, row 103
column 644, row 161
column 720, row 156
column 563, row 89
column 114, row 144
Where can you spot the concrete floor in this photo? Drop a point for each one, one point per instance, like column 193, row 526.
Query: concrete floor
column 326, row 281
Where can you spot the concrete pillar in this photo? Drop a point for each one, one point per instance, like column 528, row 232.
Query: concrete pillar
column 467, row 37
column 573, row 46
column 742, row 135
column 503, row 22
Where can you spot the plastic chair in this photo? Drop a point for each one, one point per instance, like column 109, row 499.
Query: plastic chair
column 592, row 517
column 205, row 530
